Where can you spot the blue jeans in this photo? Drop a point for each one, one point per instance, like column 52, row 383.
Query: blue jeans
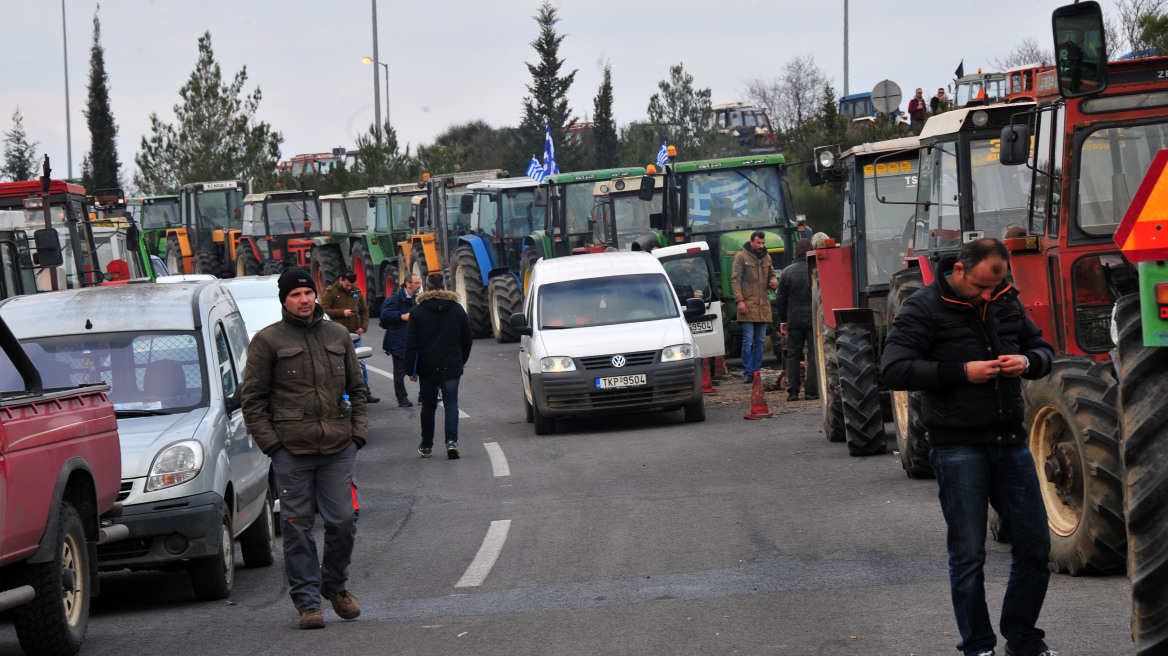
column 1005, row 477
column 428, row 395
column 364, row 371
column 328, row 482
column 753, row 335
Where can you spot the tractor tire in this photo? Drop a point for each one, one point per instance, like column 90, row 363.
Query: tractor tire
column 366, row 274
column 54, row 621
column 1144, row 430
column 418, row 263
column 827, row 369
column 246, row 263
column 213, row 577
column 388, row 277
column 327, row 266
column 274, row 267
column 472, row 293
column 174, row 258
column 1073, row 434
column 505, row 300
column 911, row 439
column 526, row 264
column 208, row 262
column 258, row 541
column 860, row 391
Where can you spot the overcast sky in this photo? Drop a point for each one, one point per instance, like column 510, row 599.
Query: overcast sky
column 460, row 60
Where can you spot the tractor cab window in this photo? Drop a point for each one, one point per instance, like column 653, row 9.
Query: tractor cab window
column 485, row 211
column 943, row 229
column 399, row 210
column 734, row 199
column 355, row 209
column 896, row 180
column 999, row 194
column 520, row 215
column 253, row 219
column 577, row 207
column 158, row 215
column 288, row 216
column 1112, row 164
column 630, row 215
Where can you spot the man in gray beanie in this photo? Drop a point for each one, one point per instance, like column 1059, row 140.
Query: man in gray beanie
column 793, row 303
column 304, row 403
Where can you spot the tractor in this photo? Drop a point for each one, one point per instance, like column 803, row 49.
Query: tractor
column 56, row 212
column 208, row 230
column 277, row 232
column 155, row 216
column 436, row 220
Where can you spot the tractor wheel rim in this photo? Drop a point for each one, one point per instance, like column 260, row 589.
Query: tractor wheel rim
column 1048, row 442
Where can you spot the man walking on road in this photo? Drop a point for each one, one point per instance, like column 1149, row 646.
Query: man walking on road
column 793, row 301
column 303, row 402
column 438, row 341
column 345, row 303
column 395, row 312
column 965, row 341
column 752, row 274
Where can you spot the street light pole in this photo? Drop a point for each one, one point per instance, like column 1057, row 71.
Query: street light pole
column 68, row 128
column 376, row 77
column 370, row 60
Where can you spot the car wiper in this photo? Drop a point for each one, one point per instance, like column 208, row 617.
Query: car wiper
column 556, row 327
column 139, row 413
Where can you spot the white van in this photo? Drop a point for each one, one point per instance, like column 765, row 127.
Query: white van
column 603, row 333
column 690, row 269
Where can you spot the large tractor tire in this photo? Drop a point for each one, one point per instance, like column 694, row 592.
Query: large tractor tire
column 1073, row 435
column 859, row 390
column 826, row 369
column 367, row 274
column 54, row 621
column 526, row 263
column 911, row 440
column 246, row 263
column 274, row 267
column 472, row 293
column 418, row 263
column 209, row 262
column 505, row 300
column 174, row 258
column 388, row 277
column 1144, row 429
column 327, row 266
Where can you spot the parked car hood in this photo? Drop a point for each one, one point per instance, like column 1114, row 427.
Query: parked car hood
column 617, row 338
column 143, row 437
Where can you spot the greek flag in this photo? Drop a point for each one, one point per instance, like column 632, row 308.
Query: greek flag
column 663, row 155
column 535, row 170
column 549, row 153
column 718, row 197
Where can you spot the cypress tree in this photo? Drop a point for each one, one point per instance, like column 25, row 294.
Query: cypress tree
column 100, row 168
column 605, row 143
column 549, row 93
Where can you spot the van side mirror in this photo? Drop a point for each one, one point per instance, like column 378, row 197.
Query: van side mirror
column 519, row 324
column 48, row 247
column 466, row 204
column 1080, row 49
column 695, row 308
column 1015, row 144
column 648, row 184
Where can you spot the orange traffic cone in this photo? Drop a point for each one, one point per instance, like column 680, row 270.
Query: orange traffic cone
column 758, row 406
column 720, row 368
column 707, row 385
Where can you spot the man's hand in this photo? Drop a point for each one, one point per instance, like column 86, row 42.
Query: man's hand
column 1011, row 366
column 414, row 378
column 348, row 312
column 982, row 371
column 405, row 317
column 783, row 328
column 741, row 307
column 360, row 331
column 774, row 283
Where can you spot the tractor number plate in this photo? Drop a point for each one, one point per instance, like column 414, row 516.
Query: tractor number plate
column 614, row 382
column 701, row 327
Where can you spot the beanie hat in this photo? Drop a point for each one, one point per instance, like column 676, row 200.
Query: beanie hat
column 295, row 279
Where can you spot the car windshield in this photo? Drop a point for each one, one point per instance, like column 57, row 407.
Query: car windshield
column 734, row 199
column 606, row 301
column 1112, row 164
column 156, row 371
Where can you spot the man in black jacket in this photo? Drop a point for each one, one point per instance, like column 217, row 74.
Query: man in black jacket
column 964, row 342
column 438, row 341
column 793, row 302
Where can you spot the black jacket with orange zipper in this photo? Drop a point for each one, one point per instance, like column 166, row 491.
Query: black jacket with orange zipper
column 935, row 334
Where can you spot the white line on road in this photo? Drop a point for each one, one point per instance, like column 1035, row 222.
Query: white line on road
column 461, row 413
column 484, row 560
column 498, row 460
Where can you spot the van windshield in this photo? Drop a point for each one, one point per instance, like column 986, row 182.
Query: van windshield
column 606, row 301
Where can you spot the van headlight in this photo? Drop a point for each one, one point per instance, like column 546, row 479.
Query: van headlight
column 677, row 352
column 556, row 364
column 175, row 465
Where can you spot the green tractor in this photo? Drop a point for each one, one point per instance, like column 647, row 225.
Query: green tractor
column 155, row 215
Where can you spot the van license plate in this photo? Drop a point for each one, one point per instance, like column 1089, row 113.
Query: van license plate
column 701, row 327
column 613, row 382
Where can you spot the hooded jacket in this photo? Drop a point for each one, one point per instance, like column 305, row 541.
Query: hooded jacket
column 297, row 372
column 935, row 333
column 750, row 279
column 438, row 337
column 392, row 310
column 336, row 300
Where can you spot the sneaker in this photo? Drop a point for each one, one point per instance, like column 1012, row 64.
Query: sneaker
column 1047, row 652
column 405, row 404
column 344, row 604
column 452, row 451
column 311, row 619
column 425, row 453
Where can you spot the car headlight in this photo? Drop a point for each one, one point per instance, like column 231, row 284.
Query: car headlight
column 174, row 465
column 556, row 364
column 677, row 352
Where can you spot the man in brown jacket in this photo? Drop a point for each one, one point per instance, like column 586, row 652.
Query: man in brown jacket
column 750, row 277
column 345, row 303
column 303, row 402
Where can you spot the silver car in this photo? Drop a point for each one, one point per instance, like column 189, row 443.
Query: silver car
column 193, row 479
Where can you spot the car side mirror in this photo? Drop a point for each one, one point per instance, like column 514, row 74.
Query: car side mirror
column 694, row 309
column 235, row 401
column 519, row 324
column 1015, row 144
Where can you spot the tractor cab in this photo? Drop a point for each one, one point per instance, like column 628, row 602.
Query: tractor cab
column 502, row 213
column 277, row 231
column 211, row 219
column 155, row 215
column 628, row 212
column 23, row 213
column 570, row 208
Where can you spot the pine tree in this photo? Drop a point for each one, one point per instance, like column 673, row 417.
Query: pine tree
column 681, row 112
column 605, row 144
column 20, row 159
column 100, row 169
column 381, row 161
column 217, row 135
column 549, row 93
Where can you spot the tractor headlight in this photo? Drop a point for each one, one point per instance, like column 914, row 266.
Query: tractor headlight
column 174, row 465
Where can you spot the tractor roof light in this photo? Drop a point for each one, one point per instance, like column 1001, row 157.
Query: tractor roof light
column 826, row 159
column 980, row 119
column 671, row 151
column 651, row 169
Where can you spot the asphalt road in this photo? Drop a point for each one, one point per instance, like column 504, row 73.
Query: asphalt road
column 634, row 534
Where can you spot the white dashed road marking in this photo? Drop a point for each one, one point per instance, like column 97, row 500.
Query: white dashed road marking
column 484, row 560
column 498, row 461
column 461, row 413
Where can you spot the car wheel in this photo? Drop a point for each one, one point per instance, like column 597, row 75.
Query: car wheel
column 543, row 425
column 528, row 411
column 54, row 621
column 696, row 411
column 259, row 540
column 212, row 577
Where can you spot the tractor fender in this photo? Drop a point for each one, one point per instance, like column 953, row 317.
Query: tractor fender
column 536, row 240
column 184, row 240
column 482, row 254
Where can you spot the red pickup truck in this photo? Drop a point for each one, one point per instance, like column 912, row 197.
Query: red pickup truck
column 60, row 472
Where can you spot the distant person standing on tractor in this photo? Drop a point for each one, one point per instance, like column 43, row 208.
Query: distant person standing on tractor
column 395, row 313
column 939, row 103
column 918, row 110
column 752, row 274
column 345, row 303
column 793, row 302
column 965, row 341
